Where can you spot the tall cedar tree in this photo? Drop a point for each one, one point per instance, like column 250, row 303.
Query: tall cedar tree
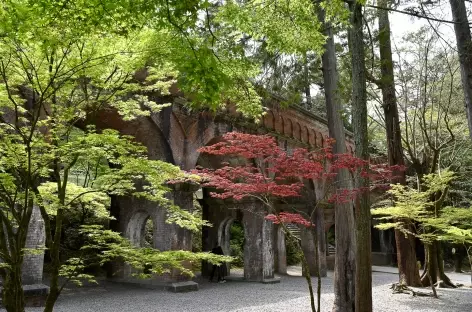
column 405, row 243
column 464, row 49
column 363, row 296
column 345, row 261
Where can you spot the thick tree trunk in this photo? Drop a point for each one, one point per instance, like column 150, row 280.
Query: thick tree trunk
column 359, row 124
column 345, row 260
column 464, row 48
column 434, row 267
column 406, row 255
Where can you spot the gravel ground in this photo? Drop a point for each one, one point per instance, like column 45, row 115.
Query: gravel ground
column 289, row 295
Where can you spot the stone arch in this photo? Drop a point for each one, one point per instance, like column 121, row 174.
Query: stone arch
column 145, row 130
column 224, row 235
column 136, row 226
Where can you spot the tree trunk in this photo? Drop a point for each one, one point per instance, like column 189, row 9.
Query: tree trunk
column 306, row 76
column 359, row 124
column 345, row 260
column 321, row 241
column 406, row 255
column 464, row 48
column 54, row 287
column 13, row 296
column 434, row 267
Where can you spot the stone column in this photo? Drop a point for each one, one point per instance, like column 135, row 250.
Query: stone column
column 258, row 248
column 178, row 238
column 280, row 251
column 32, row 271
column 385, row 238
column 209, row 234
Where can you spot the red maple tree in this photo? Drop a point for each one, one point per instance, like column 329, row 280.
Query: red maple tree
column 263, row 170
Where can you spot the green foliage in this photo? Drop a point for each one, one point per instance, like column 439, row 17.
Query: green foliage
column 109, row 245
column 284, row 25
column 148, row 234
column 425, row 212
column 236, row 244
column 61, row 62
column 294, row 252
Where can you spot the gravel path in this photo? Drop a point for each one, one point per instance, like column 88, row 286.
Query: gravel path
column 287, row 296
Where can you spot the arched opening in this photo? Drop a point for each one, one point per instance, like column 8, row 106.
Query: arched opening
column 231, row 238
column 136, row 229
column 148, row 237
column 236, row 244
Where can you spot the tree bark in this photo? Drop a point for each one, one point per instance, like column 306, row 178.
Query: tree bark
column 434, row 267
column 13, row 296
column 345, row 260
column 321, row 238
column 464, row 48
column 359, row 124
column 306, row 76
column 406, row 254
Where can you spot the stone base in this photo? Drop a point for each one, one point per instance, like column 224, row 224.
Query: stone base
column 382, row 258
column 183, row 287
column 158, row 284
column 273, row 280
column 35, row 295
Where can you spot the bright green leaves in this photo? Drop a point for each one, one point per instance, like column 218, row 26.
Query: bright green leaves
column 424, row 211
column 109, row 245
column 288, row 26
column 336, row 11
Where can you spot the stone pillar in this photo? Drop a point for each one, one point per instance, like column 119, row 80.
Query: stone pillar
column 183, row 197
column 385, row 238
column 210, row 212
column 32, row 271
column 280, row 251
column 258, row 248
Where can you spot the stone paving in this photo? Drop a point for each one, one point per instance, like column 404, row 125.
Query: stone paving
column 287, row 296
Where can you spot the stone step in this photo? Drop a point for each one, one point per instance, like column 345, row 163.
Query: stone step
column 183, row 286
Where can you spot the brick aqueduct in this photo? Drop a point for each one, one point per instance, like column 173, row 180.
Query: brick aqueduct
column 175, row 135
